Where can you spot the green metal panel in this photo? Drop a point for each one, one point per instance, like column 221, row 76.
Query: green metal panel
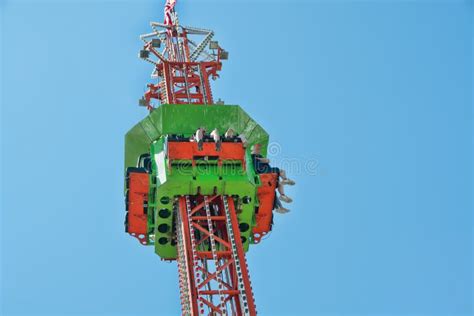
column 185, row 119
column 167, row 183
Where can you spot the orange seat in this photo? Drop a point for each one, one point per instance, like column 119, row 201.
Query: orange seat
column 266, row 196
column 190, row 151
column 137, row 198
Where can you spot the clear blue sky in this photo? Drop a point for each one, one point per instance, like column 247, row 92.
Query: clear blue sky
column 379, row 93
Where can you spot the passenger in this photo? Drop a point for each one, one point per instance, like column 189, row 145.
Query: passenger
column 217, row 138
column 230, row 134
column 278, row 207
column 243, row 139
column 262, row 165
column 199, row 137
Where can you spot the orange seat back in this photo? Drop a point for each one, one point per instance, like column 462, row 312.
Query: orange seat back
column 266, row 196
column 137, row 197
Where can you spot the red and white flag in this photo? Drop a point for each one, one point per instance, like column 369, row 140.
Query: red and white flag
column 169, row 7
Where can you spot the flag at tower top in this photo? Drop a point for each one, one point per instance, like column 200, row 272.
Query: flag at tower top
column 169, row 7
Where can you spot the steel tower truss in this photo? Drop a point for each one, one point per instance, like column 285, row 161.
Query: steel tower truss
column 184, row 59
column 213, row 273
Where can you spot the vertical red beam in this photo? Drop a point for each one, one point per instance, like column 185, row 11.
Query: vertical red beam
column 241, row 256
column 186, row 45
column 232, row 272
column 168, row 74
column 191, row 282
column 207, row 86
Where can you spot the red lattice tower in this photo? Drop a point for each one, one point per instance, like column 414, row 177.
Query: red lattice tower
column 184, row 59
column 213, row 278
column 213, row 273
